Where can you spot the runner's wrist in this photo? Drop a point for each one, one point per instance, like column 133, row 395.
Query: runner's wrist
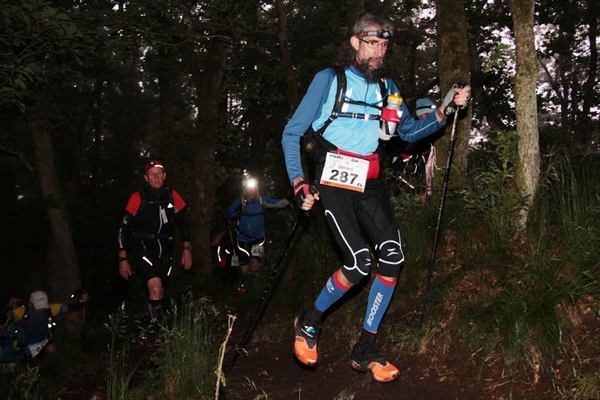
column 439, row 113
column 298, row 181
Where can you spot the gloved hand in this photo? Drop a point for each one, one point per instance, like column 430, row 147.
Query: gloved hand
column 84, row 297
column 81, row 296
column 305, row 195
column 456, row 98
column 280, row 204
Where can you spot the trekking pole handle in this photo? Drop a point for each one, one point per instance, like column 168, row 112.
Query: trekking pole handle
column 459, row 85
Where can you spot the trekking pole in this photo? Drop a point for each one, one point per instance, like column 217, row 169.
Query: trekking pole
column 439, row 218
column 267, row 293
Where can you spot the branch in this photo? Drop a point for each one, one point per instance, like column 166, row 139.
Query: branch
column 220, row 376
column 264, row 51
column 189, row 38
column 553, row 83
column 17, row 154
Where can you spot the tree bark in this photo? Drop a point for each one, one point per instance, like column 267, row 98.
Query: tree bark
column 528, row 168
column 589, row 91
column 286, row 56
column 453, row 56
column 169, row 138
column 63, row 269
column 209, row 90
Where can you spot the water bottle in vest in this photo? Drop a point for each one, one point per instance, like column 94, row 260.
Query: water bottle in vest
column 390, row 116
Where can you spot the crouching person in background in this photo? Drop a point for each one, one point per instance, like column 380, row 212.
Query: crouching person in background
column 28, row 329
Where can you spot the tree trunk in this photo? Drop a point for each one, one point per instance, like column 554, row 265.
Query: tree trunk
column 209, row 90
column 63, row 271
column 286, row 56
column 528, row 168
column 169, row 138
column 589, row 92
column 453, row 56
column 125, row 136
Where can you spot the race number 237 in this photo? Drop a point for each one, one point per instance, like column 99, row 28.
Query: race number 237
column 345, row 172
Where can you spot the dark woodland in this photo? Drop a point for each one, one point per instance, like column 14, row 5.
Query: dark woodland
column 91, row 90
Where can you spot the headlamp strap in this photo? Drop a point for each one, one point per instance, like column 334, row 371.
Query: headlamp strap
column 381, row 34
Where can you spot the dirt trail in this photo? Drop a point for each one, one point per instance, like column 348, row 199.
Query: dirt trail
column 270, row 371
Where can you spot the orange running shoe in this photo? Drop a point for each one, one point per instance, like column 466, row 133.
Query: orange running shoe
column 366, row 357
column 305, row 345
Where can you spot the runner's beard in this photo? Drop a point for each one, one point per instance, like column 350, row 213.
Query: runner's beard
column 371, row 74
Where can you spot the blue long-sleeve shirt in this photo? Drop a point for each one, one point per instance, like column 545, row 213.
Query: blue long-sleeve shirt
column 359, row 136
column 251, row 224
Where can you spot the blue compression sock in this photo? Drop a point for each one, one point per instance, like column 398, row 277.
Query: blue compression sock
column 331, row 293
column 379, row 300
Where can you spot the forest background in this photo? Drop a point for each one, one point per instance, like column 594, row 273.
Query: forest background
column 89, row 90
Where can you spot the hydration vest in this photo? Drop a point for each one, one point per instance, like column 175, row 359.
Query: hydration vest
column 144, row 199
column 145, row 223
column 312, row 138
column 243, row 204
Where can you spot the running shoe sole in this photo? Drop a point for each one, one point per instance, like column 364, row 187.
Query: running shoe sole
column 381, row 373
column 304, row 353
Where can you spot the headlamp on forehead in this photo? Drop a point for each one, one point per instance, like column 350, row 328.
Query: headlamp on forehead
column 153, row 163
column 251, row 184
column 381, row 34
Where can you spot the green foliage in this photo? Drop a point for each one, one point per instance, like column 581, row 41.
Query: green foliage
column 187, row 353
column 569, row 31
column 25, row 382
column 586, row 387
column 492, row 194
column 525, row 287
column 575, row 203
column 520, row 320
column 520, row 317
column 313, row 259
column 121, row 364
column 37, row 37
column 499, row 57
column 416, row 219
column 183, row 349
column 97, row 73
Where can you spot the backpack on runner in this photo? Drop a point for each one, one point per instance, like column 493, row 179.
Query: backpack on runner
column 313, row 142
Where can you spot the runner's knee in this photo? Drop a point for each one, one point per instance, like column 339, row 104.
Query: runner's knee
column 390, row 258
column 244, row 269
column 254, row 264
column 155, row 287
column 357, row 267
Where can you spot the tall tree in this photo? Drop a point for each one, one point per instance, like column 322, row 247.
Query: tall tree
column 453, row 54
column 528, row 167
column 286, row 56
column 63, row 269
column 208, row 75
column 590, row 94
column 42, row 48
